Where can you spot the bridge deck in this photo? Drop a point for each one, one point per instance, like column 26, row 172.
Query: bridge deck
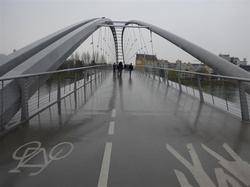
column 132, row 133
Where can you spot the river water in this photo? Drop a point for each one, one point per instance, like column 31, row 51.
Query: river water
column 224, row 92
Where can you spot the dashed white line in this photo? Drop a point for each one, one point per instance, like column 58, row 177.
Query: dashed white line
column 111, row 128
column 103, row 178
column 113, row 114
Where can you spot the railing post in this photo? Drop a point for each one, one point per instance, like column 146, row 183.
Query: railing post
column 153, row 73
column 98, row 75
column 167, row 77
column 59, row 95
column 49, row 91
column 101, row 74
column 105, row 73
column 95, row 77
column 24, row 84
column 164, row 76
column 85, row 82
column 75, row 89
column 38, row 93
column 179, row 81
column 227, row 104
column 243, row 102
column 200, row 89
column 91, row 80
column 159, row 74
column 2, row 105
column 212, row 98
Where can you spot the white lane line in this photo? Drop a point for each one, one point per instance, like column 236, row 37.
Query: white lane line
column 103, row 178
column 111, row 128
column 113, row 113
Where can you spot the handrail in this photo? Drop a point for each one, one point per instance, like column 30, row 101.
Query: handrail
column 197, row 73
column 212, row 60
column 49, row 72
column 23, row 54
column 241, row 84
column 34, row 102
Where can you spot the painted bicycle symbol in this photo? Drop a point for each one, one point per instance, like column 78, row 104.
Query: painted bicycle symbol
column 29, row 153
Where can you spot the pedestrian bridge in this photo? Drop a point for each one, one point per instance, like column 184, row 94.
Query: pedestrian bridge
column 88, row 126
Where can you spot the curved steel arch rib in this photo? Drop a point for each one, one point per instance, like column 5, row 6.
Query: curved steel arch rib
column 44, row 56
column 49, row 53
column 16, row 58
column 219, row 64
column 112, row 28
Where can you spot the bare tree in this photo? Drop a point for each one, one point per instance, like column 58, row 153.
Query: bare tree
column 88, row 57
column 76, row 56
column 85, row 57
column 103, row 59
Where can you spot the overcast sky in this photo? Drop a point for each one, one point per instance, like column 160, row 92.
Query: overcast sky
column 221, row 26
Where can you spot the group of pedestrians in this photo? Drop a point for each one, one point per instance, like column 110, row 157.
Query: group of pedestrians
column 119, row 67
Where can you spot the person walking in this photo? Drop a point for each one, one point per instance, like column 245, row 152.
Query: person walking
column 120, row 67
column 130, row 68
column 114, row 67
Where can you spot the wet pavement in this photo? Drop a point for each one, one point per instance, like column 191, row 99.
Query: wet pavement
column 130, row 132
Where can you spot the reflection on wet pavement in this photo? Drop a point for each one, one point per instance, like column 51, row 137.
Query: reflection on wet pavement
column 140, row 132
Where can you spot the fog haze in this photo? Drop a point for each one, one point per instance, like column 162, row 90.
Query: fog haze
column 221, row 26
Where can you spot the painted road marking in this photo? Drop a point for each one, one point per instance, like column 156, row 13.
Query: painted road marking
column 224, row 179
column 195, row 167
column 111, row 128
column 103, row 178
column 239, row 168
column 26, row 154
column 113, row 113
column 182, row 178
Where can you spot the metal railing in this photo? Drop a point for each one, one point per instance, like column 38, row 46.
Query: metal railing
column 224, row 92
column 50, row 89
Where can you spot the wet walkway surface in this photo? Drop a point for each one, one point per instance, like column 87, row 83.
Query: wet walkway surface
column 131, row 132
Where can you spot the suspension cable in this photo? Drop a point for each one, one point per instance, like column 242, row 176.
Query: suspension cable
column 144, row 43
column 151, row 41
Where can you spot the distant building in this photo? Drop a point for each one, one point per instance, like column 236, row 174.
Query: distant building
column 244, row 62
column 234, row 60
column 171, row 65
column 198, row 67
column 145, row 59
column 225, row 56
column 245, row 67
column 162, row 63
column 179, row 65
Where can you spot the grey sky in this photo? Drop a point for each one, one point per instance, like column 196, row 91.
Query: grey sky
column 221, row 26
